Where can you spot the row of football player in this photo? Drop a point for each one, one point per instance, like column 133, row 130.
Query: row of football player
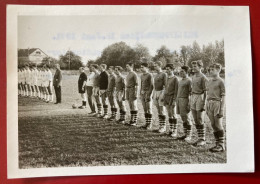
column 35, row 82
column 165, row 91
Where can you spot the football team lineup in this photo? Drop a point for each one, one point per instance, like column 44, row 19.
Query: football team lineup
column 151, row 111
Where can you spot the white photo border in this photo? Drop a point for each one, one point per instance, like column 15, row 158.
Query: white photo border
column 239, row 106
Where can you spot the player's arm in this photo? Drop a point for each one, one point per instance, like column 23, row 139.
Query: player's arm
column 176, row 85
column 190, row 90
column 114, row 84
column 136, row 83
column 152, row 85
column 165, row 81
column 124, row 88
column 223, row 99
column 204, row 86
column 59, row 78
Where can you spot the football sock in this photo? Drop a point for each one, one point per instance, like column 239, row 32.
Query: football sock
column 99, row 107
column 135, row 113
column 201, row 132
column 105, row 107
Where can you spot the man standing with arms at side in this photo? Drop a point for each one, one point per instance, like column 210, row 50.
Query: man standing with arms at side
column 81, row 88
column 103, row 84
column 198, row 100
column 146, row 93
column 111, row 92
column 131, row 92
column 57, row 83
column 170, row 96
column 160, row 80
column 215, row 106
column 120, row 93
column 89, row 83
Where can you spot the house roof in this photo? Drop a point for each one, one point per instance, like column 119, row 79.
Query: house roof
column 26, row 52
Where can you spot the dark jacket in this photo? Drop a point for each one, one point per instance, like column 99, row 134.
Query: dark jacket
column 57, row 78
column 103, row 80
column 82, row 78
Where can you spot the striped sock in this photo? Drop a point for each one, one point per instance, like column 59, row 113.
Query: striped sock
column 132, row 116
column 105, row 107
column 99, row 107
column 221, row 137
column 135, row 116
column 123, row 113
column 149, row 118
column 189, row 131
column 115, row 112
column 216, row 137
column 160, row 121
column 174, row 124
column 146, row 119
column 163, row 120
column 171, row 124
column 112, row 112
column 201, row 132
column 185, row 128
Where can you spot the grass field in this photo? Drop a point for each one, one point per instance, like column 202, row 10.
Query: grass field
column 57, row 136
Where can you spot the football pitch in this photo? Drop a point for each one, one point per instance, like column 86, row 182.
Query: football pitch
column 52, row 135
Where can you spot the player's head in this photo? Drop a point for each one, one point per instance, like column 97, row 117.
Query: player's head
column 129, row 67
column 144, row 67
column 57, row 66
column 111, row 69
column 196, row 66
column 94, row 67
column 215, row 69
column 157, row 65
column 169, row 69
column 184, row 71
column 81, row 69
column 118, row 70
column 103, row 67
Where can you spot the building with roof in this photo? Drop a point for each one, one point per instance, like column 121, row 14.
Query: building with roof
column 34, row 55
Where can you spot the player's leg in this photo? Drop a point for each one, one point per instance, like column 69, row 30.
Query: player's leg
column 98, row 102
column 105, row 104
column 112, row 106
column 90, row 99
column 218, row 128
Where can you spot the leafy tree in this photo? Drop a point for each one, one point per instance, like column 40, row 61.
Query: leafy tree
column 165, row 53
column 23, row 61
column 50, row 61
column 117, row 54
column 70, row 61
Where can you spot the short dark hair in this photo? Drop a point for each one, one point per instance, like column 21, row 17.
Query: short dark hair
column 170, row 66
column 185, row 68
column 95, row 66
column 217, row 66
column 104, row 66
column 111, row 67
column 144, row 64
column 119, row 68
column 130, row 64
column 198, row 62
column 158, row 63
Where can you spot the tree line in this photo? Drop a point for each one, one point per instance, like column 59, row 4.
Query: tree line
column 119, row 54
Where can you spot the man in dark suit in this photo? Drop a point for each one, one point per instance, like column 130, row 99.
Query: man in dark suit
column 57, row 83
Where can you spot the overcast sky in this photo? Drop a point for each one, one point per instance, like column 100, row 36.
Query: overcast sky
column 87, row 36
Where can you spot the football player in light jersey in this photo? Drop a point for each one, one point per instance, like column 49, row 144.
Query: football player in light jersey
column 49, row 84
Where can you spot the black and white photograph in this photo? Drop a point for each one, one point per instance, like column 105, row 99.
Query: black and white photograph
column 129, row 90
